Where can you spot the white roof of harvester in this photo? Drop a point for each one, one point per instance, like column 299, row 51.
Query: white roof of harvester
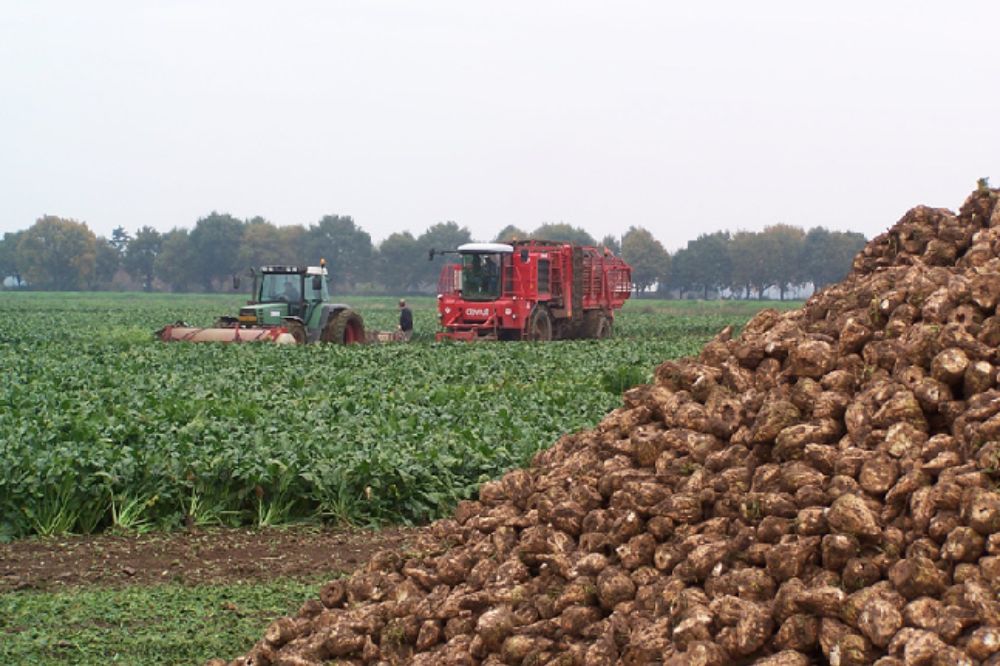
column 483, row 248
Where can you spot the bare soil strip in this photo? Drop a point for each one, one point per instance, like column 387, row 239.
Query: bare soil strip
column 210, row 556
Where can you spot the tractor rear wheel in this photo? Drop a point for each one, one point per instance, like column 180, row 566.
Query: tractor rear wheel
column 539, row 325
column 344, row 328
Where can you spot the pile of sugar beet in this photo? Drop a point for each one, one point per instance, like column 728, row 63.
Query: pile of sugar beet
column 822, row 488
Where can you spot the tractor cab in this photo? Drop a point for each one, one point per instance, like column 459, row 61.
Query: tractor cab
column 285, row 291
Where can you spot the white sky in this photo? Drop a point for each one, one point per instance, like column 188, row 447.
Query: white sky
column 680, row 117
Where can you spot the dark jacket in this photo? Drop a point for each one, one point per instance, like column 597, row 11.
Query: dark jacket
column 405, row 319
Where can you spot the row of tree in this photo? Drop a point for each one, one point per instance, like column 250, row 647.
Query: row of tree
column 744, row 264
column 64, row 254
column 780, row 258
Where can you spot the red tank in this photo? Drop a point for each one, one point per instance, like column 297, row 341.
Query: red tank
column 531, row 290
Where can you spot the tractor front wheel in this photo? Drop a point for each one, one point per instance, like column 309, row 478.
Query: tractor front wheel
column 345, row 328
column 298, row 331
column 539, row 325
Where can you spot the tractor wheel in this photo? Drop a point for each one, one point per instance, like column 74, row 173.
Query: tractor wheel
column 298, row 331
column 597, row 326
column 345, row 328
column 539, row 325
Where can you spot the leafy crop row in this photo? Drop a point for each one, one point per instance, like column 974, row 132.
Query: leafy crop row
column 102, row 427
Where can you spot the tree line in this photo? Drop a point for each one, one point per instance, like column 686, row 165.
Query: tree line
column 64, row 254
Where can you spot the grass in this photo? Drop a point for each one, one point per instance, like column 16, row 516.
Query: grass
column 161, row 624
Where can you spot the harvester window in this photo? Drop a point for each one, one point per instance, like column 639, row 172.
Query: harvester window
column 543, row 276
column 480, row 277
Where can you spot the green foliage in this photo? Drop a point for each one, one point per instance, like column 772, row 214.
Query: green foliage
column 120, row 238
column 220, row 245
column 160, row 624
column 106, row 263
column 8, row 257
column 620, row 379
column 57, row 254
column 566, row 233
column 704, row 265
column 511, row 233
column 397, row 269
column 650, row 262
column 263, row 243
column 784, row 243
column 214, row 248
column 140, row 255
column 101, row 426
column 612, row 243
column 346, row 247
column 173, row 261
column 441, row 236
column 827, row 255
column 751, row 262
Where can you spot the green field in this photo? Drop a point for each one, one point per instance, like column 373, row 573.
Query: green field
column 103, row 427
column 161, row 624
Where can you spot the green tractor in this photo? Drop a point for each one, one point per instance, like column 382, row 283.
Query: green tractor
column 289, row 306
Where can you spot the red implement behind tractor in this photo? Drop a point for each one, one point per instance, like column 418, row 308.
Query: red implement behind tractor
column 531, row 290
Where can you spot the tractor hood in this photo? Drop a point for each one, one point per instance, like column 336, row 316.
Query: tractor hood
column 263, row 314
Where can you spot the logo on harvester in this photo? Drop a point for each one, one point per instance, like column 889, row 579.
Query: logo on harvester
column 477, row 312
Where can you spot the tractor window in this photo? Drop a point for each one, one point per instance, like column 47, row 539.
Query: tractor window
column 281, row 287
column 313, row 294
column 480, row 277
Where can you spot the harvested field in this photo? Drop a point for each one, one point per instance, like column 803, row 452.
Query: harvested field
column 821, row 488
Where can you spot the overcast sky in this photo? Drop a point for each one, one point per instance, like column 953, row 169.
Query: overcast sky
column 680, row 117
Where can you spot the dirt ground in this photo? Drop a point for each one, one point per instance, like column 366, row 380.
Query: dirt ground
column 191, row 557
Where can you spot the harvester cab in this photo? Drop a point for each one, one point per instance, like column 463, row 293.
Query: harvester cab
column 479, row 272
column 289, row 305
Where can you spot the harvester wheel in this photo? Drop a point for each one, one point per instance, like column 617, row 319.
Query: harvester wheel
column 345, row 328
column 539, row 325
column 603, row 328
column 597, row 326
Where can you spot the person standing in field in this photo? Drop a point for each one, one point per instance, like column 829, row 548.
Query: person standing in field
column 405, row 321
